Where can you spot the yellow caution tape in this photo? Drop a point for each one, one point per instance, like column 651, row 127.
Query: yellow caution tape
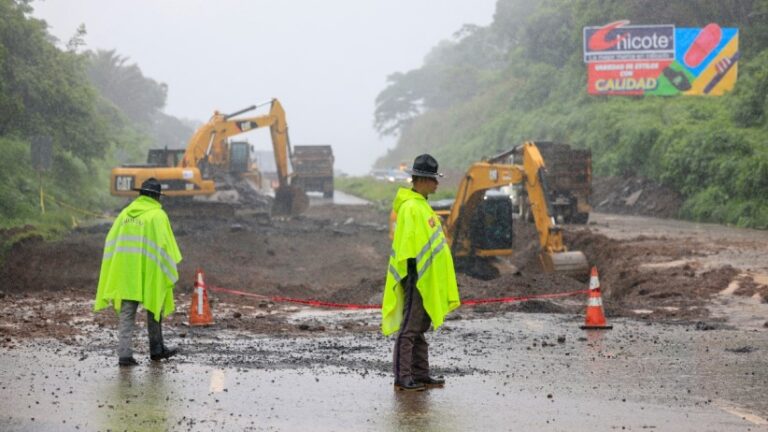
column 73, row 208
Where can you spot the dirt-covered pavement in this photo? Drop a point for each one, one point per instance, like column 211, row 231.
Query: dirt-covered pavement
column 687, row 300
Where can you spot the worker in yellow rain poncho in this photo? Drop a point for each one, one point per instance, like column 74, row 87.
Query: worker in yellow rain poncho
column 139, row 266
column 421, row 283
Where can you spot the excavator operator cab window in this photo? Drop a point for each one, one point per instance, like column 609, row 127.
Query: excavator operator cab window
column 492, row 227
column 239, row 156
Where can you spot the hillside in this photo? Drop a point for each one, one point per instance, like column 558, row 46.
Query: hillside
column 90, row 110
column 523, row 77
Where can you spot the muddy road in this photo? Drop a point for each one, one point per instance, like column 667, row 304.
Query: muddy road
column 688, row 349
column 505, row 371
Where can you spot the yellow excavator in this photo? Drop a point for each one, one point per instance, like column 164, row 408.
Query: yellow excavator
column 210, row 159
column 479, row 222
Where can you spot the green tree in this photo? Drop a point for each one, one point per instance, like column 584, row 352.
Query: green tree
column 44, row 91
column 122, row 83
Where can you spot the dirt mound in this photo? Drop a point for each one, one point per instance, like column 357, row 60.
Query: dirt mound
column 521, row 283
column 636, row 196
column 339, row 253
column 35, row 265
column 651, row 274
column 311, row 255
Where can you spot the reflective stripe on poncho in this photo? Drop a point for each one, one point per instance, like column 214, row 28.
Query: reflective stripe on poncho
column 139, row 261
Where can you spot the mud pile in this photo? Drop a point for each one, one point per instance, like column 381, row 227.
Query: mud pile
column 655, row 274
column 339, row 254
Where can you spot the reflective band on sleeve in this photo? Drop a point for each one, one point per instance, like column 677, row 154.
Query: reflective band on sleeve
column 428, row 262
column 595, row 301
column 172, row 275
column 142, row 240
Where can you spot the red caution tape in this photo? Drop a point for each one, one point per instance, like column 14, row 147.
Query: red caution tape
column 318, row 303
column 475, row 302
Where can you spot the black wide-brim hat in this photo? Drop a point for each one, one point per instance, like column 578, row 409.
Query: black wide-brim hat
column 424, row 166
column 151, row 185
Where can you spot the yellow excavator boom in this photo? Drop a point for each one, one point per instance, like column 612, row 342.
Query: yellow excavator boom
column 554, row 255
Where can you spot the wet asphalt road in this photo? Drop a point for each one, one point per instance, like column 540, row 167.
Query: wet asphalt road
column 339, row 197
column 504, row 371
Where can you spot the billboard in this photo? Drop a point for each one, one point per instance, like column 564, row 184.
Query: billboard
column 660, row 59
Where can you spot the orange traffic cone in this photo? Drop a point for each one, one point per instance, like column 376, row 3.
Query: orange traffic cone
column 199, row 311
column 595, row 319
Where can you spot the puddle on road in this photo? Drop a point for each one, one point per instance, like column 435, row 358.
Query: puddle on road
column 748, row 313
column 339, row 197
column 334, row 316
column 504, row 372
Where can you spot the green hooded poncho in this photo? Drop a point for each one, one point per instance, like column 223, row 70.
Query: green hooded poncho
column 139, row 262
column 418, row 234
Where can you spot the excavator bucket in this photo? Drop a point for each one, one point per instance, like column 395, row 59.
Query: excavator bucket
column 290, row 201
column 570, row 263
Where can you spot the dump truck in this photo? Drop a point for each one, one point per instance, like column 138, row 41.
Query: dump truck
column 313, row 168
column 569, row 180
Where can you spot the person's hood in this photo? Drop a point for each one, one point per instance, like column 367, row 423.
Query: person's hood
column 141, row 205
column 403, row 195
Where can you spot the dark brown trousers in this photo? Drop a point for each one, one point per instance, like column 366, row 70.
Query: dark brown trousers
column 411, row 357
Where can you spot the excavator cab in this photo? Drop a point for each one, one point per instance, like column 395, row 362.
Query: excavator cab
column 486, row 223
column 164, row 157
column 239, row 157
column 491, row 228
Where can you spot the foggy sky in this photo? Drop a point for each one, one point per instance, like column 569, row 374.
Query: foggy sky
column 324, row 60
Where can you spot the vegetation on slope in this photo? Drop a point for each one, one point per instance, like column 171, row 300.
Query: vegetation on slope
column 523, row 77
column 96, row 109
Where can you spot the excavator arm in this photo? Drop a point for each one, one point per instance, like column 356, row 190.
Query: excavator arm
column 554, row 256
column 209, row 142
column 208, row 146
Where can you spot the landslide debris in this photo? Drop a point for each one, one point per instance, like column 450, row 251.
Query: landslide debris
column 338, row 253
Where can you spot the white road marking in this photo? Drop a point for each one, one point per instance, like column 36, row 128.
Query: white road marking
column 217, row 381
column 742, row 413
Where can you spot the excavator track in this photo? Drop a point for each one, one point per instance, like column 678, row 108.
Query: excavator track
column 235, row 198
